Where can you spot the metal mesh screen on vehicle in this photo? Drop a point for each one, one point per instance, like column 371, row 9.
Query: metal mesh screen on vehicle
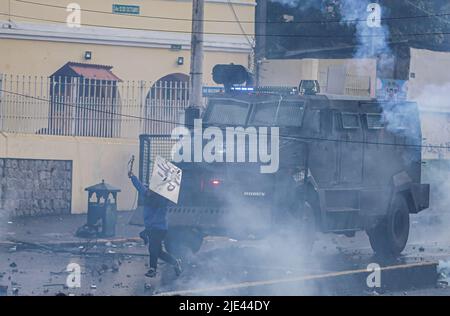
column 150, row 147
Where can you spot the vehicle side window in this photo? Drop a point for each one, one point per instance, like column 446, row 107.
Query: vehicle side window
column 398, row 122
column 375, row 121
column 350, row 120
column 291, row 114
column 225, row 112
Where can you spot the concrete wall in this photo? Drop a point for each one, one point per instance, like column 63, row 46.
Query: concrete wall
column 139, row 47
column 429, row 86
column 289, row 72
column 35, row 187
column 93, row 159
column 130, row 63
column 429, row 75
column 436, row 132
column 100, row 13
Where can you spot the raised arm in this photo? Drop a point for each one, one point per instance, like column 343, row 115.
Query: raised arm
column 138, row 185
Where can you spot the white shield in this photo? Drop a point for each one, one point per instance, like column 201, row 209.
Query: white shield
column 166, row 179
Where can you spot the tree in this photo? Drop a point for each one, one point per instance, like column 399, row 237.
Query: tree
column 323, row 29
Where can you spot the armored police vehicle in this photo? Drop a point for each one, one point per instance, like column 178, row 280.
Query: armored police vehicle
column 345, row 165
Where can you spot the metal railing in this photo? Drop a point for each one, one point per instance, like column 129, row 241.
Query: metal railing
column 353, row 85
column 72, row 106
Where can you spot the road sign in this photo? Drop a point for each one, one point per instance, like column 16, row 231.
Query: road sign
column 125, row 9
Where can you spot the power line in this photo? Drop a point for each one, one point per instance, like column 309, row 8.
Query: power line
column 325, row 21
column 239, row 22
column 426, row 11
column 236, row 34
column 286, row 137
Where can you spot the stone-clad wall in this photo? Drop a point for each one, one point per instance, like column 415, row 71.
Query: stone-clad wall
column 35, row 187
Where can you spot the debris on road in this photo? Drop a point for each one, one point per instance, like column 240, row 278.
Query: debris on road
column 115, row 268
column 54, row 284
column 13, row 265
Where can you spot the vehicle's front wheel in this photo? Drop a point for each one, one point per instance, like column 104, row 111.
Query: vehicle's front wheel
column 389, row 237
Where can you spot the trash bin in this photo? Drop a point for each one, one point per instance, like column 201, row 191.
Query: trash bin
column 102, row 206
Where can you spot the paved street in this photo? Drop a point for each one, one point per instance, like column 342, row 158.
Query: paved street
column 118, row 267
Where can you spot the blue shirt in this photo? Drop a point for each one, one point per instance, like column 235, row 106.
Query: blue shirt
column 155, row 206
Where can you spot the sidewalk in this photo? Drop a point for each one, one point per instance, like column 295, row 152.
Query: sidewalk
column 60, row 230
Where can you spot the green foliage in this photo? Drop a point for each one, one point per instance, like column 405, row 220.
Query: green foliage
column 317, row 30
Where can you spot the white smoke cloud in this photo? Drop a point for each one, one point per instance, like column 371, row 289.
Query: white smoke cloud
column 372, row 41
column 297, row 3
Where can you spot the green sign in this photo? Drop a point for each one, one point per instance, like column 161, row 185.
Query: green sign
column 125, row 9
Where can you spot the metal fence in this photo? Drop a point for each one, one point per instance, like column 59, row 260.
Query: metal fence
column 72, row 106
column 85, row 107
column 352, row 85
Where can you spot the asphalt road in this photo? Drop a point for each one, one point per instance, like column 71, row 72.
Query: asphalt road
column 119, row 269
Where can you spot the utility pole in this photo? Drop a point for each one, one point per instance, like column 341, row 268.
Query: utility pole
column 196, row 72
column 260, row 30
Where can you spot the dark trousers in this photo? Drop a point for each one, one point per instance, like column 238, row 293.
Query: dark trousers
column 155, row 249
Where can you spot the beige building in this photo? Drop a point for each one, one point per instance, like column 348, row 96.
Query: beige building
column 142, row 40
column 355, row 77
column 48, row 118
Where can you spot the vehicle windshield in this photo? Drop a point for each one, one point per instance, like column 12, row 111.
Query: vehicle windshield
column 286, row 113
column 228, row 112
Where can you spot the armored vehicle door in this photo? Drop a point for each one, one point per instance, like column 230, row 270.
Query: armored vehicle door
column 323, row 158
column 349, row 134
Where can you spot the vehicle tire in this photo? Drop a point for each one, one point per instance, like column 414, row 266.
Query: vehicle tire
column 183, row 242
column 389, row 237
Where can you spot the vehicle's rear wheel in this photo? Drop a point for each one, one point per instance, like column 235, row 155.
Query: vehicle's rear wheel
column 183, row 242
column 389, row 237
